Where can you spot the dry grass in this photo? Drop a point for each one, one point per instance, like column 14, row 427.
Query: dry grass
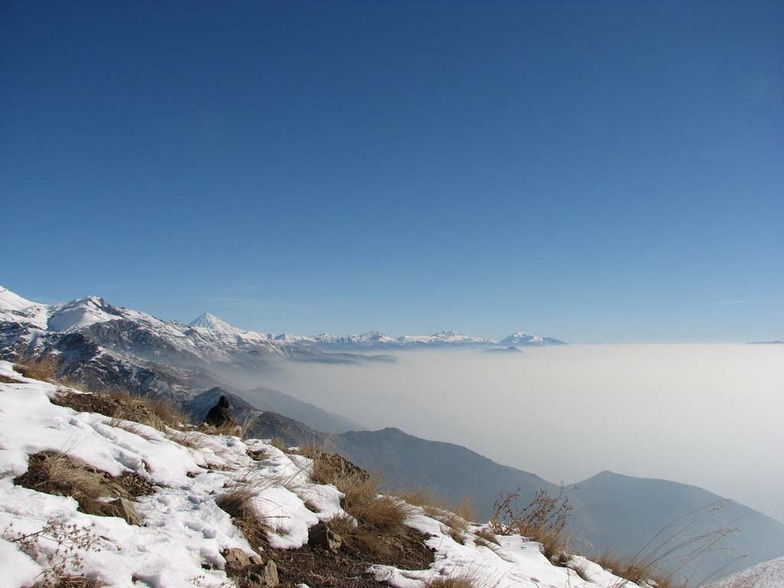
column 231, row 427
column 452, row 582
column 64, row 475
column 637, row 572
column 330, row 468
column 44, row 368
column 238, row 502
column 671, row 553
column 7, row 380
column 455, row 517
column 380, row 520
column 154, row 412
column 279, row 443
column 542, row 520
column 486, row 536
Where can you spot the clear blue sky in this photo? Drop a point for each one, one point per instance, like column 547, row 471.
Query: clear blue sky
column 593, row 171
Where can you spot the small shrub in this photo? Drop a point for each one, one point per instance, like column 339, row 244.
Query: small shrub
column 59, row 548
column 542, row 520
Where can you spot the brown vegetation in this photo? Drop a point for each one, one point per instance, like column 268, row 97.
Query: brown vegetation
column 376, row 525
column 154, row 412
column 452, row 582
column 44, row 368
column 673, row 550
column 64, row 475
column 238, row 502
column 455, row 517
column 542, row 520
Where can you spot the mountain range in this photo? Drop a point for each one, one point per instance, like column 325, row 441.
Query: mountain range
column 105, row 347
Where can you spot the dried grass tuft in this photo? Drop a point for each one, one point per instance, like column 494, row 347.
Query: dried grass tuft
column 44, row 368
column 673, row 551
column 238, row 503
column 452, row 582
column 455, row 517
column 380, row 520
column 63, row 475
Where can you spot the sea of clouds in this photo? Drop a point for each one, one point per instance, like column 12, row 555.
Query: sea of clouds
column 707, row 415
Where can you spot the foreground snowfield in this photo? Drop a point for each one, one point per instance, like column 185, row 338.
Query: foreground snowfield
column 184, row 533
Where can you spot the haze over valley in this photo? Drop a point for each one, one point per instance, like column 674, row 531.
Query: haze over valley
column 707, row 415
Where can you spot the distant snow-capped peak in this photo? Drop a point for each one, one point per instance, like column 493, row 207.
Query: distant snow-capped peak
column 523, row 338
column 220, row 327
column 212, row 322
column 11, row 301
column 80, row 313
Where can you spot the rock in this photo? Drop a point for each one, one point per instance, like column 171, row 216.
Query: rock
column 220, row 415
column 319, row 535
column 123, row 508
column 236, row 558
column 264, row 575
column 251, row 568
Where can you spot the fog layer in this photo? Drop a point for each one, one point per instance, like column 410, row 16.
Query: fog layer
column 707, row 415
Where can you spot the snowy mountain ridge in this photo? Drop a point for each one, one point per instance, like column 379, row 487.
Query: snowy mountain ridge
column 216, row 339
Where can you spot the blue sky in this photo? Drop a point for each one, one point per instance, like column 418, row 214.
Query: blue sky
column 597, row 172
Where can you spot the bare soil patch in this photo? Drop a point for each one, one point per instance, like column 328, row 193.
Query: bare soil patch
column 320, row 568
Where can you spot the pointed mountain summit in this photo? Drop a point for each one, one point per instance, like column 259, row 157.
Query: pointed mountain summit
column 222, row 329
column 212, row 322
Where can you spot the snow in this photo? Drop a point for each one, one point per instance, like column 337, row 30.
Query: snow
column 14, row 308
column 216, row 326
column 11, row 301
column 768, row 574
column 80, row 313
column 184, row 532
column 18, row 568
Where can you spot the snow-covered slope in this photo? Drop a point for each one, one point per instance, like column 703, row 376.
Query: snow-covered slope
column 11, row 301
column 15, row 309
column 129, row 332
column 184, row 537
column 769, row 574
